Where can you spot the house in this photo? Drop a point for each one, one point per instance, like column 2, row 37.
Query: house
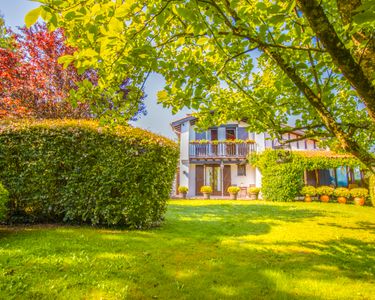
column 218, row 157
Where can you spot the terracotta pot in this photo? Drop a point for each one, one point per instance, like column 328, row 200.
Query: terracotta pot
column 341, row 200
column 359, row 201
column 253, row 196
column 233, row 196
column 324, row 198
column 183, row 195
column 308, row 198
column 206, row 195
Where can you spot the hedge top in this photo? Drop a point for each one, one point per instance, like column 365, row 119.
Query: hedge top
column 133, row 135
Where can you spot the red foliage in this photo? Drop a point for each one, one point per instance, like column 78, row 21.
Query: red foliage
column 32, row 83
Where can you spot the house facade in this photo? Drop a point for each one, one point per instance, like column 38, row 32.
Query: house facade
column 218, row 156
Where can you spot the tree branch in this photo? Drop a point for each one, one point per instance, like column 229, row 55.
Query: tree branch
column 341, row 56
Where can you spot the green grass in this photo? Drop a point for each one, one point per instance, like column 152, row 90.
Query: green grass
column 204, row 250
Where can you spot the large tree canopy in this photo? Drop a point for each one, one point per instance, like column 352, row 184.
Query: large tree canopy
column 267, row 61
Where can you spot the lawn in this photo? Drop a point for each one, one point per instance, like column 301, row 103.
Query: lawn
column 204, row 250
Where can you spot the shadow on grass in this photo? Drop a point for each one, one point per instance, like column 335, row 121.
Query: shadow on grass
column 187, row 259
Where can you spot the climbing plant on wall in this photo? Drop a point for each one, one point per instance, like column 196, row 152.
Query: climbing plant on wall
column 282, row 171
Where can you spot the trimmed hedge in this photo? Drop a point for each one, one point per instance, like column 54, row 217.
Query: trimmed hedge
column 282, row 171
column 4, row 198
column 80, row 172
column 280, row 181
column 371, row 187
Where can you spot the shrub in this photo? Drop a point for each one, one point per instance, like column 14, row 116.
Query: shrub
column 233, row 189
column 4, row 198
column 325, row 190
column 78, row 171
column 359, row 192
column 308, row 190
column 282, row 171
column 371, row 187
column 206, row 189
column 342, row 192
column 183, row 189
column 253, row 190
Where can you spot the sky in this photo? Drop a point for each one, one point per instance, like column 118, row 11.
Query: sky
column 158, row 119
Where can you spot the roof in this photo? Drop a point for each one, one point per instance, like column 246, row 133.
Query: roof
column 183, row 120
column 323, row 153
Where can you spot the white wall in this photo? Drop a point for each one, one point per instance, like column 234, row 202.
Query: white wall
column 243, row 180
column 260, row 141
column 184, row 141
column 184, row 154
column 191, row 184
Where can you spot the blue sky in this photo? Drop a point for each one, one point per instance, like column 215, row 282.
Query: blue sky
column 157, row 119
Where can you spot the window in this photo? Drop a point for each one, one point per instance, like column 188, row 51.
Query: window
column 241, row 170
column 230, row 134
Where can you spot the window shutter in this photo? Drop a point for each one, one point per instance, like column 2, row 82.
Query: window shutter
column 243, row 134
column 200, row 135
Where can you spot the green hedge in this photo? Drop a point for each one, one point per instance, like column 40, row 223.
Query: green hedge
column 282, row 171
column 4, row 198
column 81, row 172
column 371, row 188
column 280, row 181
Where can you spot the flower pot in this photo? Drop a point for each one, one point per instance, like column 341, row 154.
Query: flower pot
column 253, row 196
column 324, row 198
column 341, row 200
column 359, row 201
column 183, row 195
column 206, row 195
column 308, row 198
column 233, row 196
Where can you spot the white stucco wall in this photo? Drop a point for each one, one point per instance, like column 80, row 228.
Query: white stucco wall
column 191, row 181
column 260, row 141
column 184, row 141
column 247, row 180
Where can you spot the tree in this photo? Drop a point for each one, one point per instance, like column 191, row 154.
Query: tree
column 267, row 61
column 34, row 84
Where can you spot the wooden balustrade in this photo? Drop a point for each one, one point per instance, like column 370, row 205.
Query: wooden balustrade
column 221, row 150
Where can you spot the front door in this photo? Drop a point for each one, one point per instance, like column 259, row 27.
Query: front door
column 211, row 175
column 199, row 179
column 213, row 178
column 227, row 179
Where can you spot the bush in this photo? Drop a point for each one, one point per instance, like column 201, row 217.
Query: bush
column 280, row 181
column 342, row 192
column 206, row 189
column 325, row 190
column 253, row 190
column 359, row 192
column 371, row 188
column 308, row 190
column 233, row 189
column 183, row 189
column 4, row 198
column 81, row 172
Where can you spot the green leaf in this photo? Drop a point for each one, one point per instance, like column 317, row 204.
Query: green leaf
column 32, row 16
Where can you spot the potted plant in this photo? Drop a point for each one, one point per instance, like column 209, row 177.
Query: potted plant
column 359, row 195
column 308, row 191
column 207, row 191
column 324, row 192
column 183, row 190
column 233, row 191
column 342, row 194
column 253, row 193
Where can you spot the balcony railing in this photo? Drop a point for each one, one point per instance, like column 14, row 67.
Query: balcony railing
column 221, row 149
